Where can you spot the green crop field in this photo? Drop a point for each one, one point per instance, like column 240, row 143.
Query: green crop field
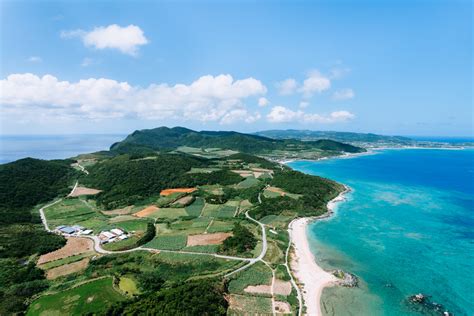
column 168, row 242
column 133, row 225
column 195, row 208
column 220, row 226
column 63, row 261
column 75, row 211
column 257, row 274
column 251, row 305
column 169, row 213
column 248, row 182
column 203, row 248
column 226, row 211
column 92, row 297
column 210, row 210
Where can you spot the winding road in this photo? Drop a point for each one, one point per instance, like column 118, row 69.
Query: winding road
column 250, row 261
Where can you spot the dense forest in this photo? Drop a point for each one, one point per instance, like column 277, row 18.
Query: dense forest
column 164, row 138
column 242, row 241
column 316, row 191
column 24, row 184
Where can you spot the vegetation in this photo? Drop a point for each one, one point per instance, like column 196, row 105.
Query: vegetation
column 203, row 297
column 24, row 184
column 241, row 241
column 90, row 298
column 163, row 138
column 149, row 235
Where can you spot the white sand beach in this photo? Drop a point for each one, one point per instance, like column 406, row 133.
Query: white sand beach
column 311, row 277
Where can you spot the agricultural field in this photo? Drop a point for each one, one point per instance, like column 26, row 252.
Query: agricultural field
column 92, row 297
column 249, row 305
column 258, row 274
column 128, row 285
column 168, row 242
column 76, row 211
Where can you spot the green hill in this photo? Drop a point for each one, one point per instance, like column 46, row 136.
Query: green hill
column 164, row 138
column 347, row 137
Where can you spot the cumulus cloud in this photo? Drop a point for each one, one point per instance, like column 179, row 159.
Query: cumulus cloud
column 263, row 101
column 125, row 39
column 303, row 104
column 209, row 98
column 281, row 114
column 343, row 94
column 315, row 83
column 287, row 86
column 35, row 59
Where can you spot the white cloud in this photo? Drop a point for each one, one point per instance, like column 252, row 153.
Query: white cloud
column 343, row 94
column 339, row 72
column 209, row 98
column 86, row 62
column 281, row 114
column 125, row 39
column 263, row 101
column 287, row 86
column 303, row 104
column 315, row 83
column 35, row 59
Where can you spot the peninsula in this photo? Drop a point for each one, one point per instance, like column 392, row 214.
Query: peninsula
column 168, row 215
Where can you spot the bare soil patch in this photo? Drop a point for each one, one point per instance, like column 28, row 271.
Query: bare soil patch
column 181, row 190
column 282, row 287
column 185, row 200
column 243, row 173
column 282, row 307
column 119, row 211
column 207, row 239
column 276, row 190
column 146, row 211
column 67, row 269
column 79, row 191
column 74, row 246
column 262, row 289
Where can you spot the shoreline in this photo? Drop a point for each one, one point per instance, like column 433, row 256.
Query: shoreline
column 312, row 279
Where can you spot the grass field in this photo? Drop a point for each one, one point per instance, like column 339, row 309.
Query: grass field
column 93, row 297
column 63, row 261
column 168, row 242
column 137, row 225
column 257, row 274
column 248, row 182
column 210, row 210
column 128, row 285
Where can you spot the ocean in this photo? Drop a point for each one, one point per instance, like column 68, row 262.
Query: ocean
column 15, row 147
column 407, row 227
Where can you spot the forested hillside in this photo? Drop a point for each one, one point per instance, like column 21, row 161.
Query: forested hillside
column 24, row 184
column 163, row 138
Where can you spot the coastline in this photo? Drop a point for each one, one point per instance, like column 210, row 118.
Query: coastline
column 311, row 277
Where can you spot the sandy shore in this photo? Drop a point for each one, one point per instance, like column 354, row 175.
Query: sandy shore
column 311, row 277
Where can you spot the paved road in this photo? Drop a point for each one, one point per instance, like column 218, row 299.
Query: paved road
column 43, row 217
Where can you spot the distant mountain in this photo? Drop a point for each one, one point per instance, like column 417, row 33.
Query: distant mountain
column 346, row 137
column 164, row 138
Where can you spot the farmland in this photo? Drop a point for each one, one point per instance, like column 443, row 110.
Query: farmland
column 199, row 230
column 91, row 297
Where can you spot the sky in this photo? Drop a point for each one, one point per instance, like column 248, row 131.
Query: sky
column 389, row 67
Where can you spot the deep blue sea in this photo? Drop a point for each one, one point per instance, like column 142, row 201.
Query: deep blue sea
column 407, row 227
column 53, row 146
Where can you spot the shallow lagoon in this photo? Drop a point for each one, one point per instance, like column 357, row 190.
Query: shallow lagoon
column 407, row 227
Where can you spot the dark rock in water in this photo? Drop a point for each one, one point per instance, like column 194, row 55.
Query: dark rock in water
column 346, row 279
column 423, row 304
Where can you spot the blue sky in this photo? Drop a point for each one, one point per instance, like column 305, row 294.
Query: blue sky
column 390, row 67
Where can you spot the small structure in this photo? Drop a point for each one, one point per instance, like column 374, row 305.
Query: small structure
column 117, row 231
column 86, row 232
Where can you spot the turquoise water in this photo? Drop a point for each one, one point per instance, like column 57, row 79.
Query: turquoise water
column 407, row 227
